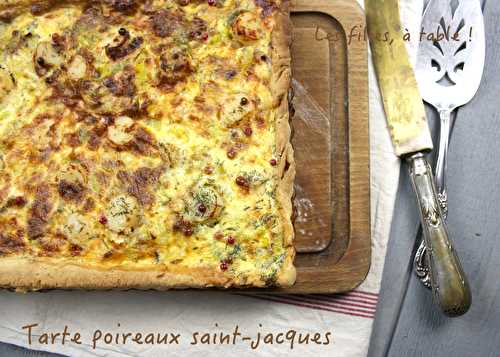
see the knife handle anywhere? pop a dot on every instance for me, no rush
(448, 282)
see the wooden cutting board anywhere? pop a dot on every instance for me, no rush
(331, 142)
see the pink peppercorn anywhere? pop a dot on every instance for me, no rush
(248, 131)
(103, 220)
(202, 208)
(231, 153)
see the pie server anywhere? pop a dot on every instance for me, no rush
(449, 73)
(411, 138)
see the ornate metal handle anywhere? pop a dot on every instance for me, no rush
(420, 262)
(448, 282)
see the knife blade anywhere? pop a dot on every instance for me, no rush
(411, 139)
(402, 102)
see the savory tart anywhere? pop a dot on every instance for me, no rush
(145, 144)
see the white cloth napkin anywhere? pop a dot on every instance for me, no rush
(348, 318)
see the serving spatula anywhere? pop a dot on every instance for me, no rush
(411, 138)
(448, 72)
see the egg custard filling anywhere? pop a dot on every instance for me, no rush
(145, 144)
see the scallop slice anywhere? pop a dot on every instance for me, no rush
(118, 134)
(205, 203)
(77, 67)
(236, 108)
(77, 228)
(123, 214)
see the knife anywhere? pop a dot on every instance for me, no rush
(411, 139)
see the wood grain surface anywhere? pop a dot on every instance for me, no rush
(335, 75)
